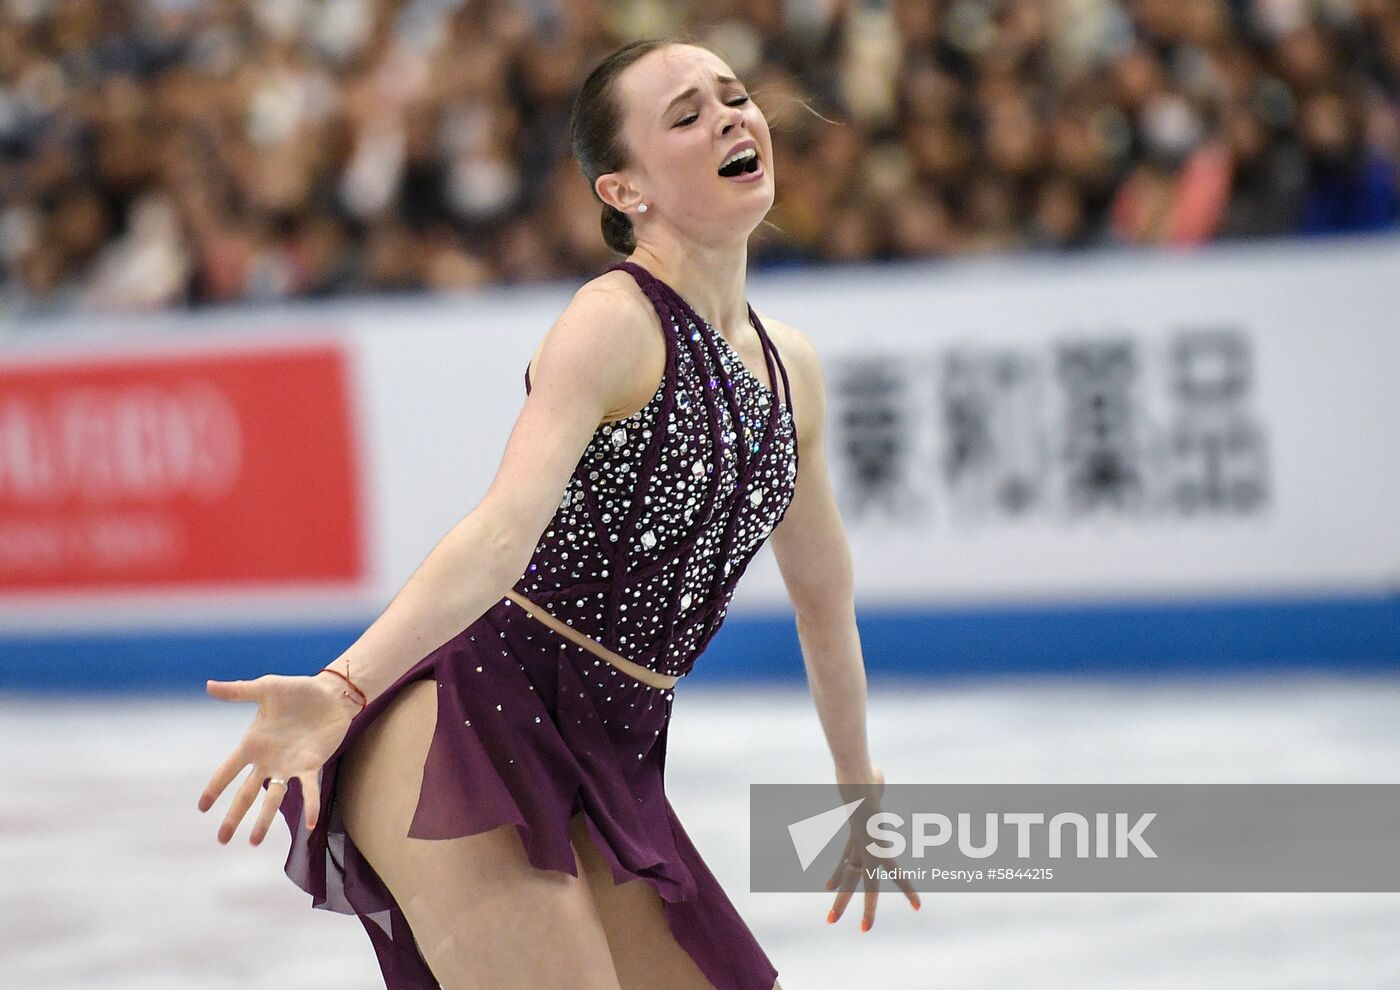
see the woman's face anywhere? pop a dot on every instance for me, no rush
(678, 141)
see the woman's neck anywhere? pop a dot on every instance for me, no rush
(712, 283)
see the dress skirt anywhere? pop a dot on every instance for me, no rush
(531, 729)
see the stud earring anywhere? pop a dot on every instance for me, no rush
(642, 208)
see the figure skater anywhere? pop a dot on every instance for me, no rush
(479, 777)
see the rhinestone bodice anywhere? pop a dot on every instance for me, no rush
(667, 507)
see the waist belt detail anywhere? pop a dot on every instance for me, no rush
(644, 674)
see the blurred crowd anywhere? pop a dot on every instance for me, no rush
(159, 153)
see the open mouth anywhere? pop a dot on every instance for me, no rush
(745, 164)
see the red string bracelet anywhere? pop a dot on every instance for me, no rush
(362, 699)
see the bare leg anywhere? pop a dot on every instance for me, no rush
(645, 953)
(483, 917)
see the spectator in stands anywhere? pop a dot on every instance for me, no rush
(1351, 185)
(183, 152)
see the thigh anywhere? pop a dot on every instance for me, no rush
(644, 952)
(482, 916)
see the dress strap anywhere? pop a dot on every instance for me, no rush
(771, 348)
(650, 461)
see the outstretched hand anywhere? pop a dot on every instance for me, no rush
(300, 723)
(857, 862)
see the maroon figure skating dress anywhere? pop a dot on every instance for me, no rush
(661, 516)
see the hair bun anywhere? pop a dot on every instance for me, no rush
(617, 230)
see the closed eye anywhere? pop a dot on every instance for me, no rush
(690, 117)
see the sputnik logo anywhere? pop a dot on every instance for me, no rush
(810, 835)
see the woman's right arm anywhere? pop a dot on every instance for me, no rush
(588, 365)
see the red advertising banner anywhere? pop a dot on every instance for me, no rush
(181, 469)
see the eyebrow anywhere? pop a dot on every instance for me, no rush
(693, 90)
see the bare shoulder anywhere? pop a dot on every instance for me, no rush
(611, 328)
(796, 348)
(800, 358)
(618, 293)
(605, 317)
(612, 305)
(805, 374)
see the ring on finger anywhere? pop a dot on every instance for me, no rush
(277, 780)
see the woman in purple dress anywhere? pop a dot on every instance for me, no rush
(480, 777)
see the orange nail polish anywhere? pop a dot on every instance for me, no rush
(865, 924)
(917, 905)
(831, 917)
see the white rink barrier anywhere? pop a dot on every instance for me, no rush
(1119, 461)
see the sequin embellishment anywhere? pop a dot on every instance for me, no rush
(665, 510)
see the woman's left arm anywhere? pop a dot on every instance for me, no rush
(815, 562)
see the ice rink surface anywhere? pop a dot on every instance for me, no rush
(113, 879)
